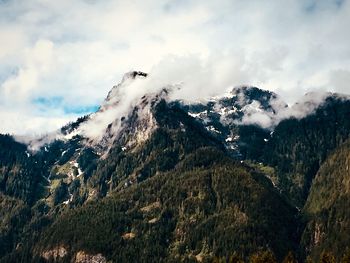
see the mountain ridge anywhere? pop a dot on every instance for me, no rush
(168, 171)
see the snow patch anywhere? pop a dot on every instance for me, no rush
(75, 164)
(70, 199)
(71, 135)
(194, 115)
(229, 139)
(212, 129)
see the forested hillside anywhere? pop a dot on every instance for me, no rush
(169, 216)
(327, 207)
(298, 147)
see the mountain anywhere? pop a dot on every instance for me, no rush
(147, 178)
(326, 208)
(230, 116)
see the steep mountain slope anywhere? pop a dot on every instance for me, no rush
(149, 178)
(176, 136)
(295, 141)
(327, 206)
(21, 174)
(189, 212)
(298, 147)
(233, 117)
(13, 213)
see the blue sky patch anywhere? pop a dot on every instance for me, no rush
(80, 109)
(57, 102)
(49, 102)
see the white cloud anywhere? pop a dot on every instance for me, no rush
(339, 81)
(25, 124)
(306, 105)
(78, 50)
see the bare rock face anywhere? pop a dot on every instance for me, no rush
(83, 257)
(55, 254)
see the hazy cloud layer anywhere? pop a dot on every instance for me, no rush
(255, 114)
(77, 50)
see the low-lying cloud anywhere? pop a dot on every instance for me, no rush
(306, 105)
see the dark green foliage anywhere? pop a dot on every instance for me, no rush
(298, 147)
(70, 127)
(88, 161)
(252, 141)
(13, 214)
(327, 207)
(21, 175)
(60, 193)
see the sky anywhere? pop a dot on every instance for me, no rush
(59, 59)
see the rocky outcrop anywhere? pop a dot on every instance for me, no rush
(83, 257)
(55, 253)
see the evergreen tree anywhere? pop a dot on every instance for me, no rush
(290, 258)
(263, 257)
(327, 257)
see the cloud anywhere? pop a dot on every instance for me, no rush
(255, 114)
(35, 125)
(200, 78)
(339, 80)
(79, 50)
